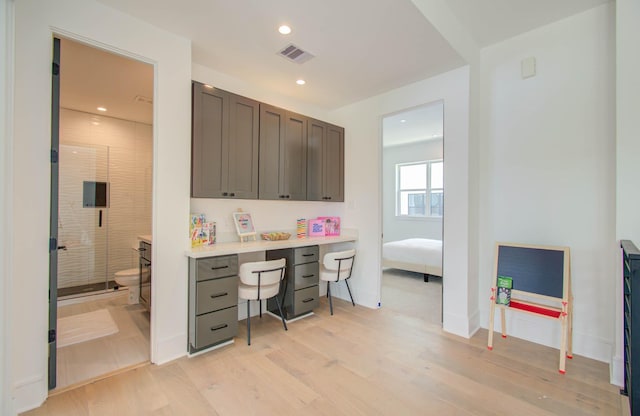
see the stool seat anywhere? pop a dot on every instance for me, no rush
(337, 266)
(261, 280)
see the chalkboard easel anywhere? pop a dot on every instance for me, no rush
(541, 285)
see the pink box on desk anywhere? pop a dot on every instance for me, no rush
(316, 228)
(331, 225)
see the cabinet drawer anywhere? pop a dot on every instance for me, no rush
(305, 275)
(215, 327)
(215, 294)
(305, 254)
(214, 267)
(305, 300)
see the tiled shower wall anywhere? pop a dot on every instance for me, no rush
(99, 148)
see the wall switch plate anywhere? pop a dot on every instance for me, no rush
(528, 67)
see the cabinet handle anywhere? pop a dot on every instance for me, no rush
(308, 275)
(307, 255)
(307, 300)
(219, 295)
(221, 326)
(281, 196)
(219, 267)
(288, 196)
(232, 194)
(225, 194)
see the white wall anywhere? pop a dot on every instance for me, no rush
(6, 225)
(363, 123)
(94, 23)
(397, 228)
(628, 146)
(547, 166)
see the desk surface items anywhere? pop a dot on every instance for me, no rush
(534, 280)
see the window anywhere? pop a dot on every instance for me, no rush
(420, 189)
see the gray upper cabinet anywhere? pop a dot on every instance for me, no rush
(225, 142)
(283, 154)
(325, 162)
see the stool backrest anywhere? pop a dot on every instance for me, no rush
(263, 273)
(339, 260)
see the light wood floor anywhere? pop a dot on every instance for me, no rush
(358, 362)
(129, 346)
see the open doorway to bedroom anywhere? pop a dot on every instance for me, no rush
(412, 212)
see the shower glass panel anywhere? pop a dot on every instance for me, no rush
(83, 220)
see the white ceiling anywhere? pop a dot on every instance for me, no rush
(362, 47)
(417, 124)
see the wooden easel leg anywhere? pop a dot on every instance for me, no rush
(492, 314)
(570, 329)
(563, 346)
(503, 322)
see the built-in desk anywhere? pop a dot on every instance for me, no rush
(222, 249)
(213, 286)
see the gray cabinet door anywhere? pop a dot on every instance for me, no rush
(283, 149)
(325, 162)
(271, 135)
(210, 128)
(244, 123)
(224, 152)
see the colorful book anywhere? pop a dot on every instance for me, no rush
(504, 285)
(316, 228)
(331, 225)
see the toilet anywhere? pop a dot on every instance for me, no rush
(130, 278)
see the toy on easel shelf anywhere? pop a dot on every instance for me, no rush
(201, 232)
(301, 228)
(504, 285)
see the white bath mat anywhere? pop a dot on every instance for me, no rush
(84, 327)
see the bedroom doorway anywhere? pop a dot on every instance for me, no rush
(412, 212)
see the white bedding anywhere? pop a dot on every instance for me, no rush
(415, 254)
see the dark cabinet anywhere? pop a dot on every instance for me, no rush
(283, 154)
(631, 330)
(325, 162)
(213, 301)
(299, 293)
(225, 142)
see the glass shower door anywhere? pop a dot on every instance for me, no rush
(83, 201)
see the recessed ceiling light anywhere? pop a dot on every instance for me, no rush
(301, 82)
(403, 121)
(101, 109)
(208, 86)
(284, 29)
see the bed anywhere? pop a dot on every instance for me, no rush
(419, 255)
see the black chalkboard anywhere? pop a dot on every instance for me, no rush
(533, 270)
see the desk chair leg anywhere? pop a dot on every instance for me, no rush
(329, 296)
(248, 322)
(284, 323)
(349, 289)
(260, 308)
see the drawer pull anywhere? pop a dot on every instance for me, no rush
(221, 326)
(306, 276)
(308, 300)
(219, 295)
(307, 255)
(219, 267)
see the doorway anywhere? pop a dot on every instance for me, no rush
(101, 207)
(412, 212)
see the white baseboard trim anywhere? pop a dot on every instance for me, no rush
(616, 371)
(29, 393)
(169, 349)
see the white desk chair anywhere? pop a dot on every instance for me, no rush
(336, 267)
(261, 280)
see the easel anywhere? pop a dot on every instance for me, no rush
(541, 287)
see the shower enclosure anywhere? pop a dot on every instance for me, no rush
(83, 220)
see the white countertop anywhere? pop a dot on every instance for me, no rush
(222, 249)
(145, 238)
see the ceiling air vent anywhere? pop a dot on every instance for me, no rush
(142, 99)
(295, 54)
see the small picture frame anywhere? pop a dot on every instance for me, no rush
(244, 225)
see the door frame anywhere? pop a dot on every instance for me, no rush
(53, 209)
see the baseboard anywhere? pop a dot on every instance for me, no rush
(29, 393)
(616, 370)
(169, 349)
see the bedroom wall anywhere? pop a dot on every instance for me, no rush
(396, 228)
(547, 167)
